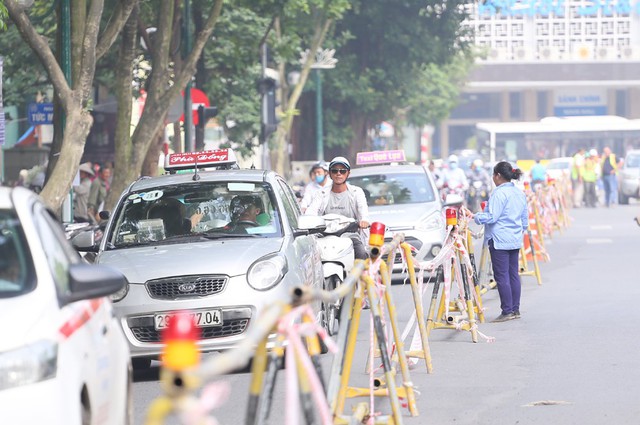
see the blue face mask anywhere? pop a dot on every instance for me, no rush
(320, 179)
(453, 165)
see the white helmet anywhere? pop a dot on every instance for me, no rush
(453, 158)
(478, 163)
(593, 152)
(340, 160)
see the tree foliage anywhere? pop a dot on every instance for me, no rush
(392, 54)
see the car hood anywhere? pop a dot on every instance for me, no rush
(401, 216)
(631, 172)
(230, 257)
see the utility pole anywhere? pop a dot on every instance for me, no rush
(65, 62)
(188, 108)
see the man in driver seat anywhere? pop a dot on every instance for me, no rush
(244, 211)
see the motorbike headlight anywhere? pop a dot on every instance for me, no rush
(267, 272)
(29, 364)
(118, 296)
(433, 221)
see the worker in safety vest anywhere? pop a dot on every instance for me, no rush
(577, 168)
(589, 177)
(609, 176)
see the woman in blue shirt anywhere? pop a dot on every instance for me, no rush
(505, 219)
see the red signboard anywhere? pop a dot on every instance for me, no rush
(198, 97)
(201, 159)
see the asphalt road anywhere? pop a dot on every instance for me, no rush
(571, 359)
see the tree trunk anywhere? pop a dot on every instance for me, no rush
(150, 164)
(124, 94)
(358, 143)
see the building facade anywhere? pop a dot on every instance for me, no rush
(547, 58)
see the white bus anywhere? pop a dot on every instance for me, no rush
(553, 137)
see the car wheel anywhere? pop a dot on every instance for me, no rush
(141, 363)
(85, 408)
(622, 199)
(331, 311)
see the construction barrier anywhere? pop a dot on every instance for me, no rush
(286, 333)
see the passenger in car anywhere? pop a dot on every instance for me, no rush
(245, 210)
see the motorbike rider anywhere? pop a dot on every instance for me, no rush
(320, 180)
(454, 177)
(344, 199)
(479, 184)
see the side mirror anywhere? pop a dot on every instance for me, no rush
(104, 215)
(87, 281)
(453, 200)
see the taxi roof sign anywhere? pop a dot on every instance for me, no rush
(380, 157)
(203, 159)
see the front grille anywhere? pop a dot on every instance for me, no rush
(185, 287)
(230, 328)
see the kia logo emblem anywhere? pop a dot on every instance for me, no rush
(187, 287)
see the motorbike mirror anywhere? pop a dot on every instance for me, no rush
(453, 200)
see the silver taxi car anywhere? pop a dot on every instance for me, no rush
(220, 243)
(404, 197)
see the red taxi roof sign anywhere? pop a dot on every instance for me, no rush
(204, 159)
(379, 157)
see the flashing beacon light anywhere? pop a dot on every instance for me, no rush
(180, 338)
(376, 234)
(483, 205)
(452, 217)
(527, 186)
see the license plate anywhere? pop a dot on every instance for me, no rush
(202, 319)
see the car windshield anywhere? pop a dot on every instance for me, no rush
(395, 188)
(632, 161)
(197, 211)
(16, 265)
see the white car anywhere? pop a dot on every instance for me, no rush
(405, 198)
(63, 357)
(559, 168)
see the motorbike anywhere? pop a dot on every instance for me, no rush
(449, 190)
(478, 192)
(337, 256)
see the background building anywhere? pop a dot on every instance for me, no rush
(547, 58)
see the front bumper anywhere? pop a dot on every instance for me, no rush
(238, 303)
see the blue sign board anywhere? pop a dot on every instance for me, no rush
(40, 113)
(579, 111)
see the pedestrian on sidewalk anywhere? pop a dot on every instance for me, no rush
(590, 177)
(577, 184)
(609, 177)
(505, 219)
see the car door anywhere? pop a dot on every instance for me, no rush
(91, 354)
(305, 247)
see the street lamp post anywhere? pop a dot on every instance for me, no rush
(324, 60)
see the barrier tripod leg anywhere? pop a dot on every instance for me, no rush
(342, 340)
(536, 268)
(337, 406)
(434, 299)
(536, 214)
(397, 336)
(483, 271)
(304, 386)
(386, 361)
(417, 300)
(469, 300)
(258, 367)
(474, 275)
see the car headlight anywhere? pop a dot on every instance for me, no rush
(29, 364)
(433, 221)
(267, 272)
(118, 296)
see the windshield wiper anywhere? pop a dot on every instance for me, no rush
(222, 235)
